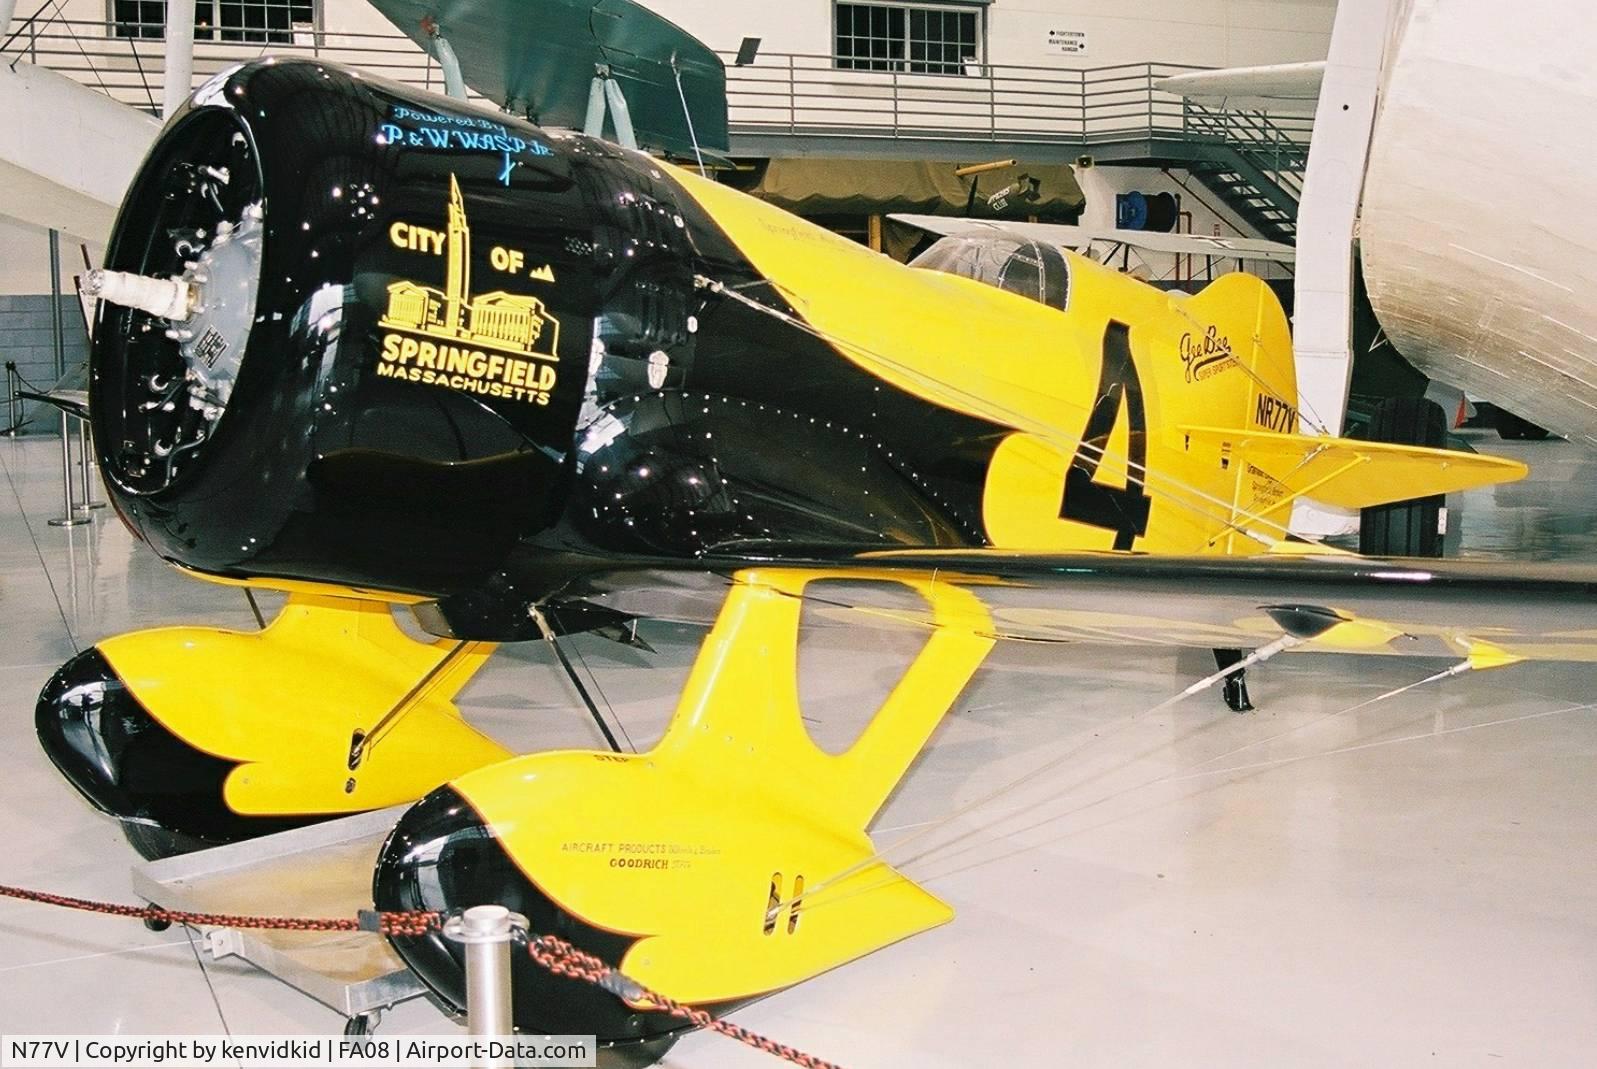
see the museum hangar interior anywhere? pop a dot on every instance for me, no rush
(999, 532)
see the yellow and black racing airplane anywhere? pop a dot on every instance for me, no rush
(379, 349)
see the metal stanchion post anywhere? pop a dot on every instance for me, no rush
(486, 932)
(11, 399)
(66, 519)
(87, 504)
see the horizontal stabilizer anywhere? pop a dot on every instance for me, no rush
(1350, 473)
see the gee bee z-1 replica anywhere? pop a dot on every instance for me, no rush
(385, 351)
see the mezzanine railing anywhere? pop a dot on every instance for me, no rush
(781, 94)
(807, 95)
(128, 66)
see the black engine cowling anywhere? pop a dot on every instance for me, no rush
(381, 376)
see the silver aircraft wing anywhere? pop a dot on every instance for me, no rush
(1080, 237)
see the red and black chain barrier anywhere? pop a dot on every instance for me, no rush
(563, 959)
(549, 951)
(418, 922)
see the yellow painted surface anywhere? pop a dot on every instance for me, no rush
(684, 845)
(1371, 473)
(1483, 654)
(285, 702)
(1222, 358)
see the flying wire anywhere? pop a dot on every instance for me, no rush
(1193, 771)
(1149, 477)
(687, 115)
(1188, 771)
(576, 681)
(1258, 656)
(593, 677)
(1022, 421)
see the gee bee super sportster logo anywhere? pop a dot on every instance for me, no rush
(495, 344)
(1206, 356)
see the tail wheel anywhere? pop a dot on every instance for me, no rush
(1405, 528)
(1512, 427)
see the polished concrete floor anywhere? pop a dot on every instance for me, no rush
(1413, 883)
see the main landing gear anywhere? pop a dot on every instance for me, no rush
(1236, 684)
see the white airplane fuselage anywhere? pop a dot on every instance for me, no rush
(1479, 245)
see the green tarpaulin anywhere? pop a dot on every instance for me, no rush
(538, 57)
(812, 186)
(831, 188)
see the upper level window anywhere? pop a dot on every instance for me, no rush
(918, 38)
(253, 21)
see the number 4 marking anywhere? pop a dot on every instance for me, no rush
(1123, 511)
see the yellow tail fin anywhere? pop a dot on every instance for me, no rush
(1247, 425)
(1247, 328)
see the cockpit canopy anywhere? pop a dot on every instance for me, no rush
(1019, 265)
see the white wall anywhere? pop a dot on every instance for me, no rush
(338, 16)
(1215, 33)
(1200, 32)
(25, 262)
(1212, 33)
(803, 26)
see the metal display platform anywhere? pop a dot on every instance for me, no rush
(321, 871)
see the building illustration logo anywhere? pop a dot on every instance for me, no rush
(497, 345)
(511, 323)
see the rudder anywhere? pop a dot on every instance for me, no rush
(1243, 325)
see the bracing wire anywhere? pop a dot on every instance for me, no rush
(1258, 656)
(1195, 770)
(687, 115)
(1188, 771)
(593, 677)
(1169, 487)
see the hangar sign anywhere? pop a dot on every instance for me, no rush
(1067, 42)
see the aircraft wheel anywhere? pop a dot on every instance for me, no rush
(1512, 427)
(362, 1024)
(153, 842)
(1405, 528)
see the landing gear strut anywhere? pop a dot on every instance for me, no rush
(1236, 684)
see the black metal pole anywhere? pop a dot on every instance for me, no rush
(68, 518)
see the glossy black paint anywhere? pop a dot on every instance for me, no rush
(127, 764)
(320, 468)
(683, 424)
(443, 856)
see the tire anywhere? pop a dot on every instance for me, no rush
(1513, 428)
(154, 842)
(1405, 528)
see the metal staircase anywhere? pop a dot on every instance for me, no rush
(1252, 164)
(793, 104)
